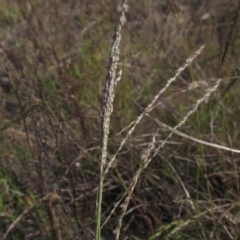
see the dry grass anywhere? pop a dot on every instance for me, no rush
(169, 166)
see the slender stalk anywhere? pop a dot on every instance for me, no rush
(107, 107)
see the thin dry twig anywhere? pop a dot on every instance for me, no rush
(214, 145)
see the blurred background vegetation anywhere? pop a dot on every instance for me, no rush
(53, 62)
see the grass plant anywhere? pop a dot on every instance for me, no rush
(119, 120)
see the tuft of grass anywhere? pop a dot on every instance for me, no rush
(168, 165)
